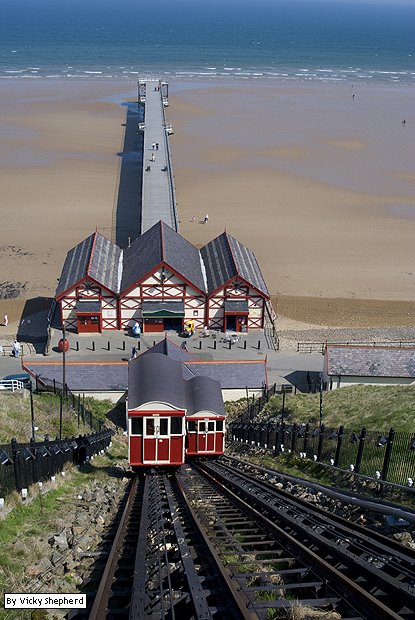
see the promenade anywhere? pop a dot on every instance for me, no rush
(158, 194)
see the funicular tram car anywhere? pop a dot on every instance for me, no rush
(166, 411)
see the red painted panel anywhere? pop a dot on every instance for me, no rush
(210, 445)
(219, 442)
(201, 442)
(191, 445)
(149, 449)
(163, 449)
(176, 450)
(135, 450)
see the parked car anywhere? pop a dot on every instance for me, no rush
(24, 377)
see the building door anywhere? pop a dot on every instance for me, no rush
(89, 323)
(153, 325)
(156, 439)
(206, 436)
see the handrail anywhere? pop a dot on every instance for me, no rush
(11, 384)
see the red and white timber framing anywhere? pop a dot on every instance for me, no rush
(236, 290)
(164, 284)
(88, 289)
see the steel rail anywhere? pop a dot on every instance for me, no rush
(197, 593)
(99, 607)
(367, 601)
(241, 601)
(139, 582)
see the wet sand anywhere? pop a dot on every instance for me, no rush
(318, 184)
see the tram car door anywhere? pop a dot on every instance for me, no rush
(206, 436)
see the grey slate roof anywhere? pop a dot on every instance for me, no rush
(84, 377)
(88, 306)
(225, 258)
(114, 377)
(155, 378)
(161, 244)
(233, 374)
(205, 395)
(95, 256)
(158, 378)
(371, 362)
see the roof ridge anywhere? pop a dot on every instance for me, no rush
(162, 240)
(92, 252)
(227, 235)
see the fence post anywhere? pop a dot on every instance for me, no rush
(320, 443)
(360, 450)
(37, 383)
(388, 454)
(306, 432)
(16, 465)
(54, 386)
(339, 446)
(294, 430)
(79, 409)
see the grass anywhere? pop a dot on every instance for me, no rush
(26, 528)
(375, 407)
(15, 416)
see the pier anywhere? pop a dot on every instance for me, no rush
(158, 200)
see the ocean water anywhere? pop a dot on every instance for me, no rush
(308, 40)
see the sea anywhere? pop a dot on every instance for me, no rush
(279, 40)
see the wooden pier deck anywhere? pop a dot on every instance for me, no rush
(158, 192)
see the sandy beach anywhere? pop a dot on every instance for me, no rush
(318, 183)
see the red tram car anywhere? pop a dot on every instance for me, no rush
(168, 416)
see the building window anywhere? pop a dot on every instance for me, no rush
(195, 312)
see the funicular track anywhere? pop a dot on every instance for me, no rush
(160, 565)
(212, 542)
(350, 564)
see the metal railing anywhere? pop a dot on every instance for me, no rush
(11, 385)
(383, 457)
(320, 347)
(24, 464)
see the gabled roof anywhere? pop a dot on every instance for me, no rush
(161, 244)
(156, 378)
(96, 257)
(205, 395)
(226, 258)
(370, 361)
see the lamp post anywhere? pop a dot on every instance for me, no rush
(63, 380)
(321, 399)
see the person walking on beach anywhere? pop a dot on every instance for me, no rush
(153, 157)
(5, 320)
(206, 219)
(157, 146)
(153, 146)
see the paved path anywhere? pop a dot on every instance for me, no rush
(158, 196)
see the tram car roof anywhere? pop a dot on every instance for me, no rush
(157, 378)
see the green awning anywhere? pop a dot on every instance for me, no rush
(162, 309)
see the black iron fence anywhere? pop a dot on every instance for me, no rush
(77, 403)
(257, 402)
(23, 464)
(388, 458)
